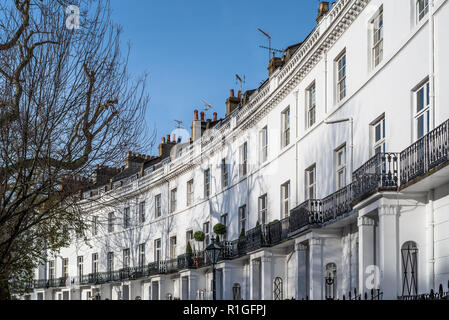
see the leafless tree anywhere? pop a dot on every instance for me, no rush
(67, 104)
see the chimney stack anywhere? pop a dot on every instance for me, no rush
(232, 103)
(196, 115)
(215, 116)
(323, 10)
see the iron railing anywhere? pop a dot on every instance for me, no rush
(432, 295)
(379, 172)
(425, 154)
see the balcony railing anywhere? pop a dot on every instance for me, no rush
(337, 204)
(378, 173)
(305, 215)
(425, 154)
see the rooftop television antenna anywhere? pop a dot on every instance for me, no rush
(207, 105)
(271, 51)
(241, 80)
(179, 124)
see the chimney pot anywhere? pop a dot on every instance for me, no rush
(168, 138)
(215, 116)
(163, 139)
(174, 138)
(323, 10)
(196, 115)
(240, 95)
(202, 116)
(232, 92)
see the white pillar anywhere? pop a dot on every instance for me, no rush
(227, 283)
(366, 252)
(301, 272)
(193, 286)
(254, 278)
(267, 279)
(316, 269)
(389, 251)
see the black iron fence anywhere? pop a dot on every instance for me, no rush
(432, 295)
(425, 154)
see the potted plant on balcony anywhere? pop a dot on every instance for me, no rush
(219, 230)
(199, 236)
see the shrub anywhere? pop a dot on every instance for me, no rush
(220, 229)
(242, 233)
(199, 236)
(189, 248)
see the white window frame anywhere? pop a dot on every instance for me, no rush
(285, 127)
(206, 230)
(111, 221)
(423, 12)
(377, 49)
(311, 171)
(80, 263)
(224, 221)
(285, 199)
(243, 159)
(142, 254)
(126, 217)
(207, 183)
(158, 206)
(65, 267)
(126, 258)
(425, 112)
(94, 226)
(263, 204)
(379, 145)
(263, 145)
(190, 194)
(311, 105)
(224, 173)
(52, 269)
(173, 199)
(95, 263)
(243, 219)
(142, 212)
(173, 244)
(157, 250)
(110, 262)
(341, 69)
(340, 167)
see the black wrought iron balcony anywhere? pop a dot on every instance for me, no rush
(305, 215)
(277, 231)
(254, 239)
(426, 154)
(41, 284)
(337, 204)
(377, 174)
(57, 282)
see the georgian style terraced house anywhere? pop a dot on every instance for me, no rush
(331, 178)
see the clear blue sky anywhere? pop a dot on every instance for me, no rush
(193, 49)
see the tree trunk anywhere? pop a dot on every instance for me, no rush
(4, 289)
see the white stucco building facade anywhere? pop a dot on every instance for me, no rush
(335, 168)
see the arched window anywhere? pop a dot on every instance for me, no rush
(330, 281)
(278, 289)
(409, 254)
(236, 292)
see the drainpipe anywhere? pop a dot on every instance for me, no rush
(432, 59)
(297, 149)
(431, 238)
